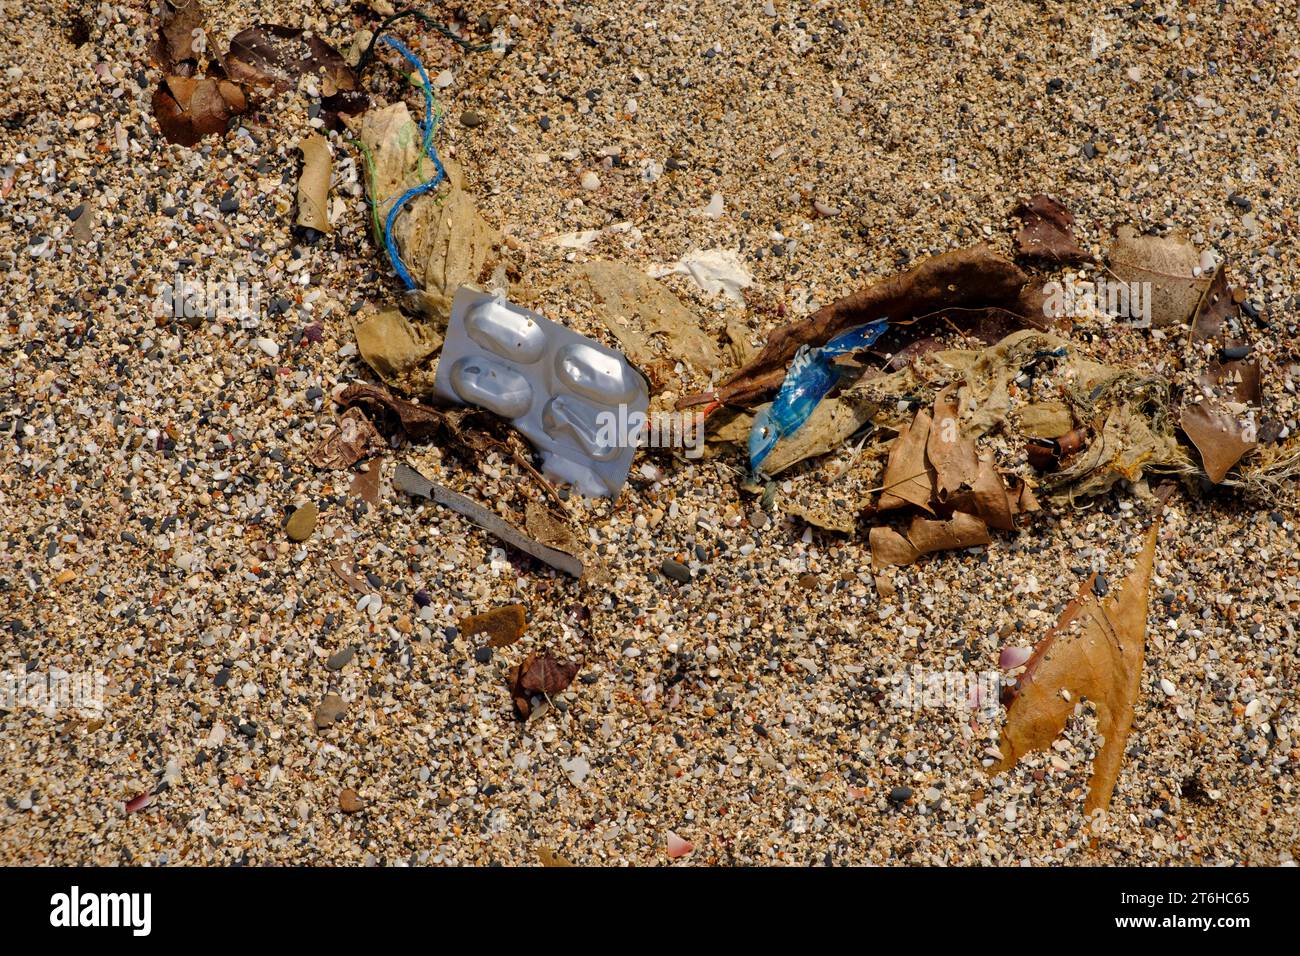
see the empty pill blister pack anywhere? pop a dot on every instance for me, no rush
(567, 394)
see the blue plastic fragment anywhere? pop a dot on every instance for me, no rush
(811, 376)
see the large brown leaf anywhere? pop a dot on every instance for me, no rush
(1101, 661)
(1170, 264)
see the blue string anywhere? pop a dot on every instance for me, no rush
(427, 146)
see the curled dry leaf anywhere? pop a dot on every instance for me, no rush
(351, 440)
(990, 500)
(1101, 662)
(539, 674)
(959, 531)
(1219, 420)
(909, 478)
(889, 547)
(1047, 232)
(314, 183)
(951, 454)
(187, 109)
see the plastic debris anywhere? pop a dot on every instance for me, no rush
(580, 404)
(713, 270)
(968, 280)
(812, 375)
(411, 482)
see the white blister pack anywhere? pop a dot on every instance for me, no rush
(567, 394)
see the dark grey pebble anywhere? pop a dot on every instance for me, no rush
(900, 795)
(340, 659)
(675, 570)
(483, 655)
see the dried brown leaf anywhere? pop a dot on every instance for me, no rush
(1102, 663)
(539, 674)
(1048, 231)
(188, 109)
(275, 57)
(417, 421)
(1213, 424)
(314, 183)
(351, 440)
(908, 477)
(952, 455)
(1169, 263)
(174, 47)
(959, 531)
(1220, 437)
(365, 484)
(925, 536)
